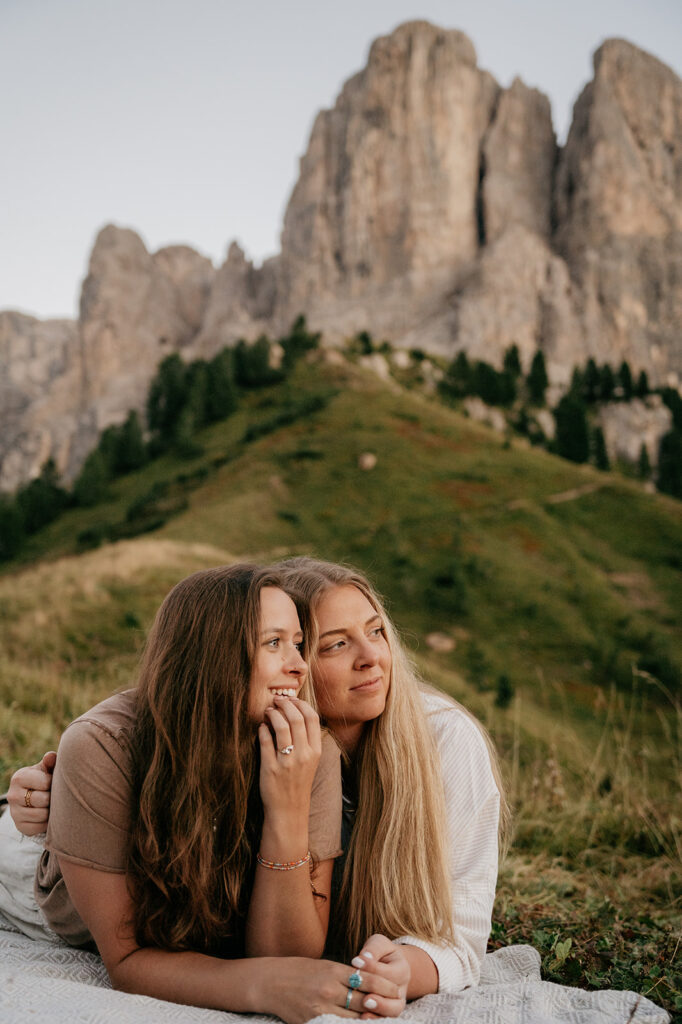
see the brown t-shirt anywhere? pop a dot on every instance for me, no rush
(90, 808)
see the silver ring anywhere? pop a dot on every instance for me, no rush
(348, 998)
(287, 750)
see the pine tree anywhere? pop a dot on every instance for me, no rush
(252, 364)
(643, 463)
(221, 391)
(197, 390)
(130, 451)
(607, 383)
(642, 389)
(456, 382)
(572, 435)
(625, 380)
(599, 452)
(672, 399)
(512, 362)
(91, 485)
(485, 382)
(42, 500)
(11, 528)
(299, 341)
(167, 396)
(537, 380)
(577, 387)
(670, 464)
(591, 382)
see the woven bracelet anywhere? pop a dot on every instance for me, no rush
(289, 865)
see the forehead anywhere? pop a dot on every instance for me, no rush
(277, 608)
(341, 607)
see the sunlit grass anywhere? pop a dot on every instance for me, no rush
(576, 602)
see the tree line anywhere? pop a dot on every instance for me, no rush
(575, 438)
(182, 399)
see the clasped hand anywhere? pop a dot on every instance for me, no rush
(290, 749)
(308, 988)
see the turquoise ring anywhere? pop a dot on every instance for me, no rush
(355, 981)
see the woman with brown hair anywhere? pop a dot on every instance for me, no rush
(194, 820)
(421, 807)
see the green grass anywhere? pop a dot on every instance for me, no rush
(575, 601)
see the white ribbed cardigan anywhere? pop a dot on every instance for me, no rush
(472, 805)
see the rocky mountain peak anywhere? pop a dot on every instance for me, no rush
(433, 208)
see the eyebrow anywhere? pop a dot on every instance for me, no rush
(279, 629)
(344, 629)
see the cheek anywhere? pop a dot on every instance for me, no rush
(328, 691)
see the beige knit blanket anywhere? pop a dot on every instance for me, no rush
(49, 981)
(43, 981)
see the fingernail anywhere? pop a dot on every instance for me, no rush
(368, 956)
(370, 1004)
(357, 961)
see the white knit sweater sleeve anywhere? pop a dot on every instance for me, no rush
(472, 805)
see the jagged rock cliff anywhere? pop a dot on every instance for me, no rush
(62, 383)
(434, 209)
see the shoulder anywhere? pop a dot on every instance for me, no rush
(104, 729)
(449, 722)
(330, 758)
(116, 714)
(464, 753)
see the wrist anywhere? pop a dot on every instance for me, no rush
(257, 993)
(284, 841)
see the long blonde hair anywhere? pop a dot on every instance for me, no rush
(396, 879)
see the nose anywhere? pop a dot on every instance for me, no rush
(367, 654)
(295, 665)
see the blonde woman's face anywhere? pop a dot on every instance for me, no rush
(353, 669)
(278, 667)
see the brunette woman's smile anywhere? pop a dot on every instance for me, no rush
(353, 671)
(278, 667)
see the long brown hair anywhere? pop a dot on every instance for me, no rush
(400, 798)
(196, 812)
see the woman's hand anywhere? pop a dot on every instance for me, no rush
(30, 813)
(382, 959)
(299, 989)
(286, 779)
(285, 918)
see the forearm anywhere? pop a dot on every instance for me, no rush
(241, 986)
(284, 918)
(423, 972)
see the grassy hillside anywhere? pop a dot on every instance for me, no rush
(556, 585)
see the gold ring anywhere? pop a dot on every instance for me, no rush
(27, 798)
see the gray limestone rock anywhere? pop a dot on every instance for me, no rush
(619, 210)
(241, 303)
(385, 204)
(629, 425)
(519, 156)
(64, 382)
(40, 395)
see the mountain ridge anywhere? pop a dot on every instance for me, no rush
(433, 208)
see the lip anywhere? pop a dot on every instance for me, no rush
(369, 687)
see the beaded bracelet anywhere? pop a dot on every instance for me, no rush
(276, 865)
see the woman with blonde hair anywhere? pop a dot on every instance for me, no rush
(423, 803)
(412, 897)
(194, 820)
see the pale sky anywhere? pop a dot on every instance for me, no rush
(186, 120)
